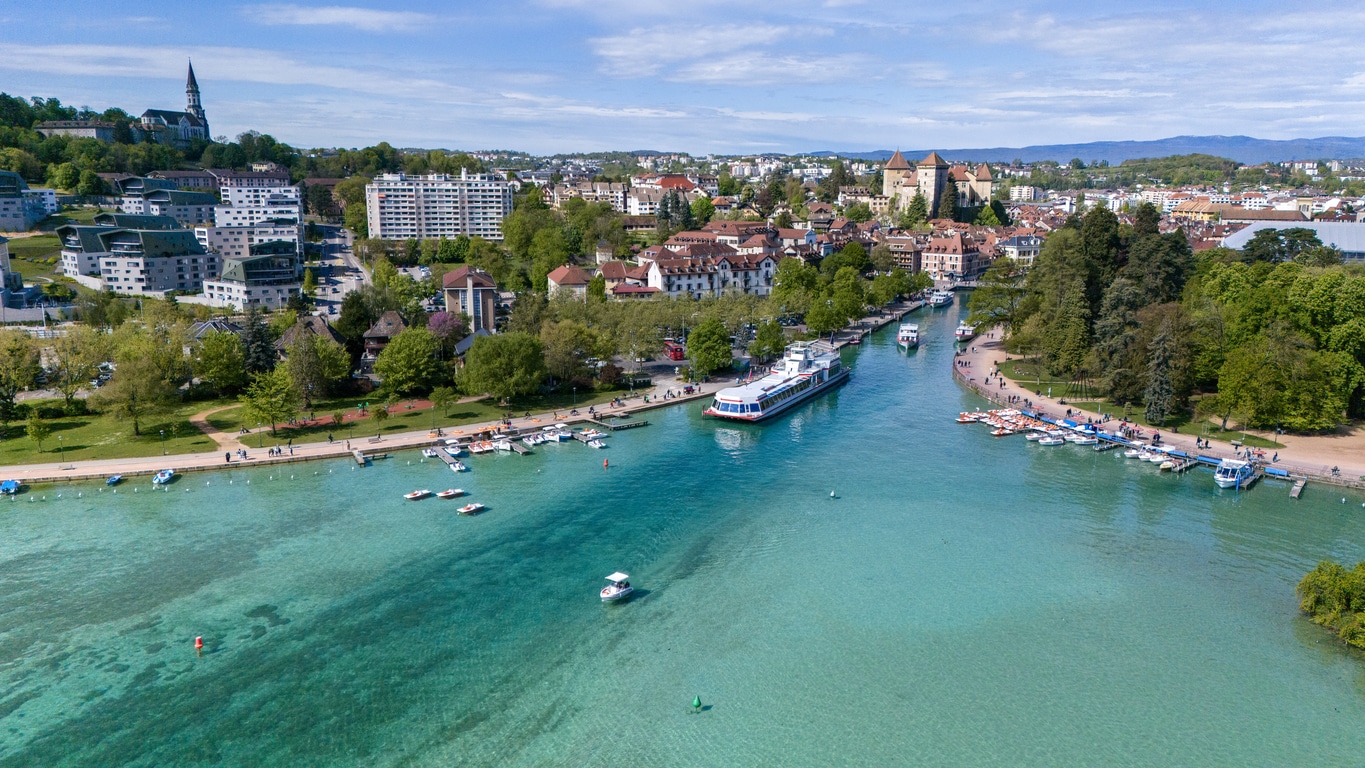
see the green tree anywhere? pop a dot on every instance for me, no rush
(443, 397)
(18, 368)
(597, 287)
(408, 363)
(708, 347)
(858, 213)
(270, 398)
(822, 318)
(76, 356)
(505, 365)
(999, 295)
(221, 362)
(702, 210)
(567, 344)
(258, 342)
(987, 217)
(916, 212)
(883, 260)
(143, 382)
(769, 340)
(310, 283)
(38, 430)
(379, 414)
(316, 365)
(947, 203)
(1158, 395)
(1146, 221)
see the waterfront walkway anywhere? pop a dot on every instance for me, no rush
(85, 470)
(1308, 456)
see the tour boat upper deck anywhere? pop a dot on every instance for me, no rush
(807, 367)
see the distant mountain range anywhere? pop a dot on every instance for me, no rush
(1243, 149)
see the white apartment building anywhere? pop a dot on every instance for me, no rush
(437, 205)
(252, 206)
(188, 208)
(140, 262)
(1024, 194)
(691, 277)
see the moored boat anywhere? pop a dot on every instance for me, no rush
(114, 480)
(415, 495)
(618, 587)
(596, 443)
(471, 509)
(807, 368)
(458, 466)
(163, 477)
(1050, 440)
(430, 453)
(1086, 440)
(1233, 473)
(965, 331)
(1131, 453)
(450, 493)
(1001, 432)
(9, 488)
(1034, 436)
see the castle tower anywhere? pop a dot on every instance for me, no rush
(893, 173)
(932, 176)
(192, 104)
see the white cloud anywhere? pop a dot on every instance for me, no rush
(366, 19)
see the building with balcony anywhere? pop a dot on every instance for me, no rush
(268, 277)
(473, 293)
(437, 205)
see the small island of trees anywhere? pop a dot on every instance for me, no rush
(1334, 597)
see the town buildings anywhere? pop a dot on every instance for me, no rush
(20, 207)
(437, 205)
(77, 129)
(932, 178)
(267, 277)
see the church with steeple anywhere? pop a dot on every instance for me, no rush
(177, 128)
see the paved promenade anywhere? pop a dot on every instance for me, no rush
(84, 470)
(1310, 456)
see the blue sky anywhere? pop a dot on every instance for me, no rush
(705, 76)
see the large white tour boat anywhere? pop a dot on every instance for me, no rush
(807, 368)
(908, 335)
(940, 298)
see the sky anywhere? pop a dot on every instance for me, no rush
(705, 76)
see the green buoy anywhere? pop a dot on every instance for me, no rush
(696, 703)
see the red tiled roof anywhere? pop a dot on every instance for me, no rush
(456, 278)
(896, 163)
(568, 275)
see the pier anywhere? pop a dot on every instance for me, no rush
(615, 426)
(1298, 488)
(359, 457)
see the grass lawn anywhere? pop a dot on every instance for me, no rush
(29, 256)
(1031, 375)
(78, 216)
(98, 436)
(401, 419)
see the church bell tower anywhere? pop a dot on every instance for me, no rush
(192, 104)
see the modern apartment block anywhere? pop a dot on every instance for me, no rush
(250, 206)
(236, 242)
(437, 205)
(188, 208)
(268, 276)
(21, 207)
(141, 262)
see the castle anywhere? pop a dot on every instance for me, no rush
(931, 178)
(178, 128)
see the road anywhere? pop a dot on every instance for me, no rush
(340, 273)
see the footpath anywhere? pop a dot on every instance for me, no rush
(1309, 456)
(659, 397)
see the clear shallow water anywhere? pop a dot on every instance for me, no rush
(965, 600)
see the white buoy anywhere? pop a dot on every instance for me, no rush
(831, 494)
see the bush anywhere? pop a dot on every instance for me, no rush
(609, 374)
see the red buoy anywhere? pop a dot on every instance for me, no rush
(199, 646)
(604, 463)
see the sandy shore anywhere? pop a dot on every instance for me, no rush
(1310, 455)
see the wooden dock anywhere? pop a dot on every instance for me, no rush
(1106, 445)
(618, 426)
(1298, 488)
(520, 448)
(359, 457)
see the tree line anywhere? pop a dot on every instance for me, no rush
(1270, 335)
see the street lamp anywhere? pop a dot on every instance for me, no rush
(260, 437)
(575, 396)
(163, 441)
(61, 455)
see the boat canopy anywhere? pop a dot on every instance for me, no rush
(618, 577)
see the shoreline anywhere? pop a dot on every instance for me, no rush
(53, 473)
(984, 353)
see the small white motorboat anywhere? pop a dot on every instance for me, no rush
(450, 493)
(471, 509)
(1131, 453)
(1001, 432)
(618, 587)
(430, 453)
(596, 444)
(1233, 473)
(1086, 440)
(163, 477)
(458, 466)
(1158, 457)
(1167, 465)
(1034, 436)
(591, 434)
(502, 444)
(1050, 440)
(415, 495)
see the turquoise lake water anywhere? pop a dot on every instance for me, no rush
(964, 601)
